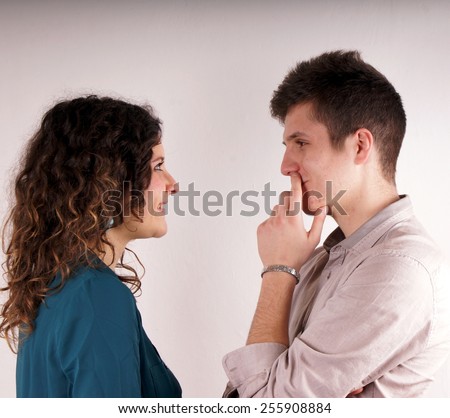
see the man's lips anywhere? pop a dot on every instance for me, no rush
(302, 180)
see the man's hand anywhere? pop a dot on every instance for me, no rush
(355, 392)
(283, 239)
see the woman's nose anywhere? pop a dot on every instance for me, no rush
(172, 185)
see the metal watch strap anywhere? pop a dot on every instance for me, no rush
(282, 268)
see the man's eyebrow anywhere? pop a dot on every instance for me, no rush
(295, 135)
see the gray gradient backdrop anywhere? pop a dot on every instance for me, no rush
(209, 68)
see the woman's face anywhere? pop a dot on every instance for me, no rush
(162, 184)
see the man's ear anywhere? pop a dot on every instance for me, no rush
(363, 143)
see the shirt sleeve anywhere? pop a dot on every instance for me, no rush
(99, 340)
(378, 318)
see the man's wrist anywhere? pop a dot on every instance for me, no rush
(281, 268)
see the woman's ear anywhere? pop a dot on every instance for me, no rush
(363, 145)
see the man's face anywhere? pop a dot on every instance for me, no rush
(309, 153)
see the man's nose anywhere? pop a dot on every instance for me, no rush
(289, 164)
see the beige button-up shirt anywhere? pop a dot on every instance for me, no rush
(380, 318)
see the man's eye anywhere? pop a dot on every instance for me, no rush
(300, 143)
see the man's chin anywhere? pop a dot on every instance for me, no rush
(307, 211)
(312, 207)
(312, 212)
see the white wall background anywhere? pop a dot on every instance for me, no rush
(209, 68)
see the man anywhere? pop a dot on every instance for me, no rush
(370, 315)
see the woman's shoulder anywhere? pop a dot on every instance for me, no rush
(100, 278)
(95, 290)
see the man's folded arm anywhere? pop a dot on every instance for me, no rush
(378, 318)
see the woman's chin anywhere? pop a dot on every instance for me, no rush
(159, 234)
(158, 230)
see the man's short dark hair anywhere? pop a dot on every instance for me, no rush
(347, 94)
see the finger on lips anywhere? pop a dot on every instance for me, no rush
(295, 200)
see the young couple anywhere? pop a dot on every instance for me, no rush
(365, 315)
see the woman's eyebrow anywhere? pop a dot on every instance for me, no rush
(157, 159)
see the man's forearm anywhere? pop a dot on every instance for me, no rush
(270, 323)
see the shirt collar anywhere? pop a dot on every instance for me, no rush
(372, 230)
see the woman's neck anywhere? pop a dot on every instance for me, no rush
(118, 242)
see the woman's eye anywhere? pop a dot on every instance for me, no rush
(158, 167)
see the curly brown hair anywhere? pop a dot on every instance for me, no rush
(83, 152)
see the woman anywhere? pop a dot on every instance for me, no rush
(92, 179)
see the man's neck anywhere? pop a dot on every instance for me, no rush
(360, 208)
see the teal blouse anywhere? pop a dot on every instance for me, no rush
(89, 342)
